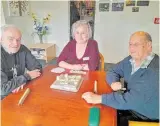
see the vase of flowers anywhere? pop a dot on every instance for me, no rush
(40, 26)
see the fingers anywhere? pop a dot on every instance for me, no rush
(16, 90)
(36, 70)
(77, 67)
(37, 74)
(83, 65)
(34, 74)
(87, 96)
(22, 87)
(92, 98)
(84, 95)
(19, 88)
(116, 86)
(123, 89)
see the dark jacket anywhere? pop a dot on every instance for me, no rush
(22, 59)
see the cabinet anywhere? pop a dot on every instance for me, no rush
(45, 51)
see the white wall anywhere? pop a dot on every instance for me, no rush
(2, 21)
(113, 29)
(59, 24)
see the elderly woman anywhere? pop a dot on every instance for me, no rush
(81, 53)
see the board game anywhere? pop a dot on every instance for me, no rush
(67, 82)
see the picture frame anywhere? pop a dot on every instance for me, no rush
(130, 2)
(18, 8)
(142, 3)
(103, 7)
(118, 6)
(135, 9)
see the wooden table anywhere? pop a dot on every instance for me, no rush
(49, 107)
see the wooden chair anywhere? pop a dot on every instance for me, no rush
(137, 123)
(101, 62)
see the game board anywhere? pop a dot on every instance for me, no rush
(68, 82)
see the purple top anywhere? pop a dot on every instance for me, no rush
(90, 57)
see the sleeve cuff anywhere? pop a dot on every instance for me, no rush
(104, 99)
(27, 76)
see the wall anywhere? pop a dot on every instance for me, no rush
(2, 21)
(59, 11)
(113, 29)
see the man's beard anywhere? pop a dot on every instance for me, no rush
(10, 51)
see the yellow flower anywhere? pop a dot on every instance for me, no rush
(47, 19)
(44, 20)
(49, 15)
(33, 16)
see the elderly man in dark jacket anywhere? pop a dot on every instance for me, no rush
(15, 58)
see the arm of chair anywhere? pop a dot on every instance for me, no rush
(137, 123)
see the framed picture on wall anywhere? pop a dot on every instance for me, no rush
(18, 8)
(142, 3)
(135, 9)
(103, 7)
(118, 6)
(130, 2)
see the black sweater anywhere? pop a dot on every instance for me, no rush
(22, 59)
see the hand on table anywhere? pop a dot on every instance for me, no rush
(92, 98)
(34, 73)
(85, 67)
(19, 88)
(77, 67)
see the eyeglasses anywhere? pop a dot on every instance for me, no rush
(11, 39)
(136, 45)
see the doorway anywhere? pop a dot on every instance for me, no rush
(82, 10)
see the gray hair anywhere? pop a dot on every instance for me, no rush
(148, 37)
(79, 23)
(6, 27)
(145, 34)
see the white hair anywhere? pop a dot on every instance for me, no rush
(6, 27)
(79, 23)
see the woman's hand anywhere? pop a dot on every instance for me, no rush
(77, 67)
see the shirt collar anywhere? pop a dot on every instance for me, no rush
(145, 62)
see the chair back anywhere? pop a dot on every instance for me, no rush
(137, 123)
(101, 62)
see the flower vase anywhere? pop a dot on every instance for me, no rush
(40, 38)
